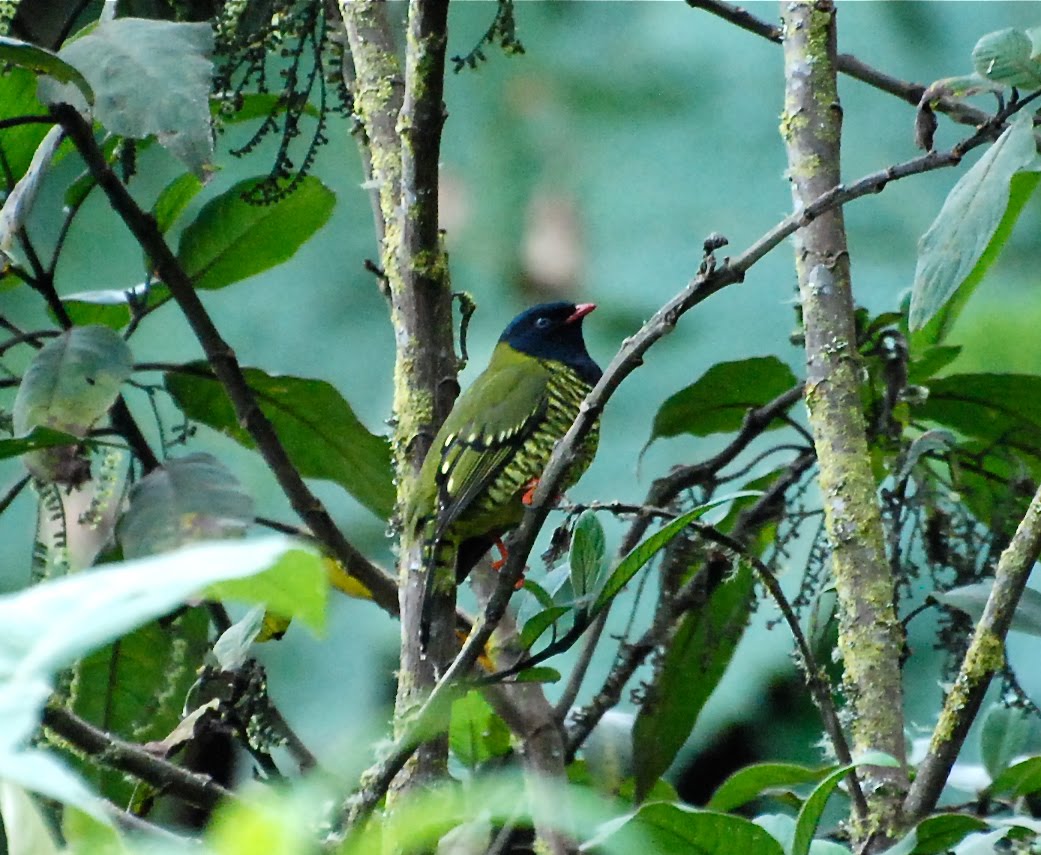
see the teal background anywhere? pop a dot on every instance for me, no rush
(627, 132)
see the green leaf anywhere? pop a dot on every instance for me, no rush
(1020, 779)
(136, 686)
(1021, 189)
(476, 733)
(539, 623)
(813, 808)
(969, 218)
(935, 358)
(1003, 736)
(25, 830)
(19, 202)
(41, 61)
(540, 674)
(232, 239)
(297, 587)
(1001, 409)
(151, 78)
(972, 599)
(173, 200)
(37, 438)
(83, 834)
(753, 781)
(18, 98)
(930, 441)
(588, 546)
(651, 546)
(112, 307)
(1009, 57)
(186, 499)
(661, 828)
(321, 434)
(719, 400)
(688, 674)
(937, 834)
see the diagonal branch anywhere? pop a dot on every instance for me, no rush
(984, 658)
(222, 359)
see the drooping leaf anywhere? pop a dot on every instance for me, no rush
(535, 626)
(26, 832)
(691, 669)
(660, 828)
(136, 688)
(930, 441)
(37, 438)
(19, 202)
(41, 61)
(753, 781)
(651, 546)
(322, 435)
(937, 834)
(233, 647)
(150, 78)
(969, 218)
(1021, 189)
(1009, 57)
(18, 98)
(231, 239)
(69, 384)
(186, 499)
(476, 733)
(173, 199)
(719, 400)
(1003, 736)
(586, 558)
(972, 599)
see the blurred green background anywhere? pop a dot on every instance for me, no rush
(592, 167)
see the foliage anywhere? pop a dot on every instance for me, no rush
(126, 662)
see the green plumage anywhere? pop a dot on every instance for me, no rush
(499, 437)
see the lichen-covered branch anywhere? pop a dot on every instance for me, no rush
(870, 635)
(985, 656)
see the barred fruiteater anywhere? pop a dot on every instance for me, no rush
(498, 438)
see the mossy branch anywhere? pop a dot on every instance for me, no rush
(985, 657)
(870, 635)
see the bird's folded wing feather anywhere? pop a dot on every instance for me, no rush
(492, 421)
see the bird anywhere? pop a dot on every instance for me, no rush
(486, 458)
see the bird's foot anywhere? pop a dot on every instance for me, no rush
(529, 493)
(500, 562)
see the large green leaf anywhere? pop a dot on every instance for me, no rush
(136, 688)
(691, 669)
(937, 834)
(1021, 189)
(756, 780)
(718, 401)
(661, 828)
(1003, 736)
(476, 733)
(321, 434)
(969, 218)
(112, 307)
(1020, 779)
(1010, 57)
(972, 600)
(186, 499)
(587, 555)
(1001, 409)
(18, 98)
(232, 239)
(41, 61)
(150, 78)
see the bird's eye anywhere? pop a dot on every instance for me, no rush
(542, 323)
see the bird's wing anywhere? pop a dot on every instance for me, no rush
(490, 422)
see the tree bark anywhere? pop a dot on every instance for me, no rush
(870, 636)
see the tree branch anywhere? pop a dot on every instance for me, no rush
(846, 63)
(984, 658)
(222, 360)
(199, 790)
(870, 634)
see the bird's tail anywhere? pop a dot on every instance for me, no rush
(438, 558)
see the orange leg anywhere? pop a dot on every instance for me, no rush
(500, 562)
(529, 491)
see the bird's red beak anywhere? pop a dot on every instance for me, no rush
(581, 310)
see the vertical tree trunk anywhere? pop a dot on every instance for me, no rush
(870, 636)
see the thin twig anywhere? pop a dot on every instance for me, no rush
(194, 788)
